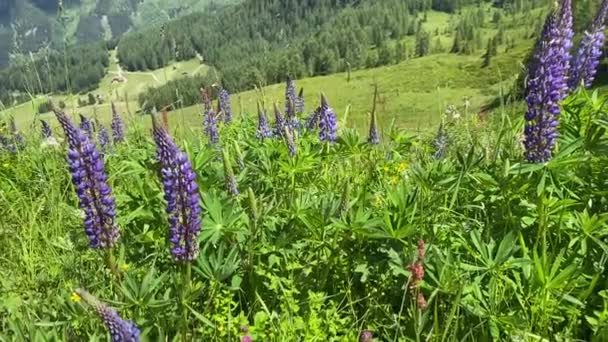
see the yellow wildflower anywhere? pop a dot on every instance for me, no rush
(386, 168)
(394, 180)
(377, 201)
(124, 267)
(75, 297)
(402, 167)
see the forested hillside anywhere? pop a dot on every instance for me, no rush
(264, 41)
(31, 25)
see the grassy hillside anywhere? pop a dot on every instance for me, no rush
(136, 82)
(414, 93)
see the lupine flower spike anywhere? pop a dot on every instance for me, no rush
(46, 130)
(312, 122)
(120, 330)
(118, 128)
(210, 124)
(545, 88)
(590, 51)
(90, 180)
(290, 141)
(290, 105)
(229, 174)
(300, 102)
(263, 131)
(373, 137)
(292, 120)
(103, 137)
(225, 105)
(328, 123)
(279, 121)
(565, 41)
(86, 125)
(290, 93)
(181, 194)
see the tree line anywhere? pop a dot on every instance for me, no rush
(79, 69)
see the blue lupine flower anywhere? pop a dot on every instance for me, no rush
(328, 123)
(118, 128)
(290, 93)
(90, 180)
(46, 130)
(300, 102)
(86, 125)
(545, 88)
(211, 129)
(290, 105)
(564, 43)
(225, 105)
(181, 194)
(373, 137)
(290, 141)
(279, 121)
(120, 330)
(103, 138)
(590, 51)
(312, 122)
(263, 131)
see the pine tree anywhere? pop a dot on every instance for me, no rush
(422, 43)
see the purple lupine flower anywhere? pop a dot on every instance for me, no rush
(373, 137)
(229, 174)
(312, 122)
(564, 43)
(544, 89)
(590, 51)
(290, 93)
(290, 141)
(246, 338)
(366, 336)
(279, 121)
(120, 330)
(300, 102)
(90, 180)
(328, 122)
(46, 130)
(181, 194)
(225, 105)
(86, 125)
(103, 138)
(263, 131)
(290, 105)
(210, 124)
(118, 128)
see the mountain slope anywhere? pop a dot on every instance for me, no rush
(29, 25)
